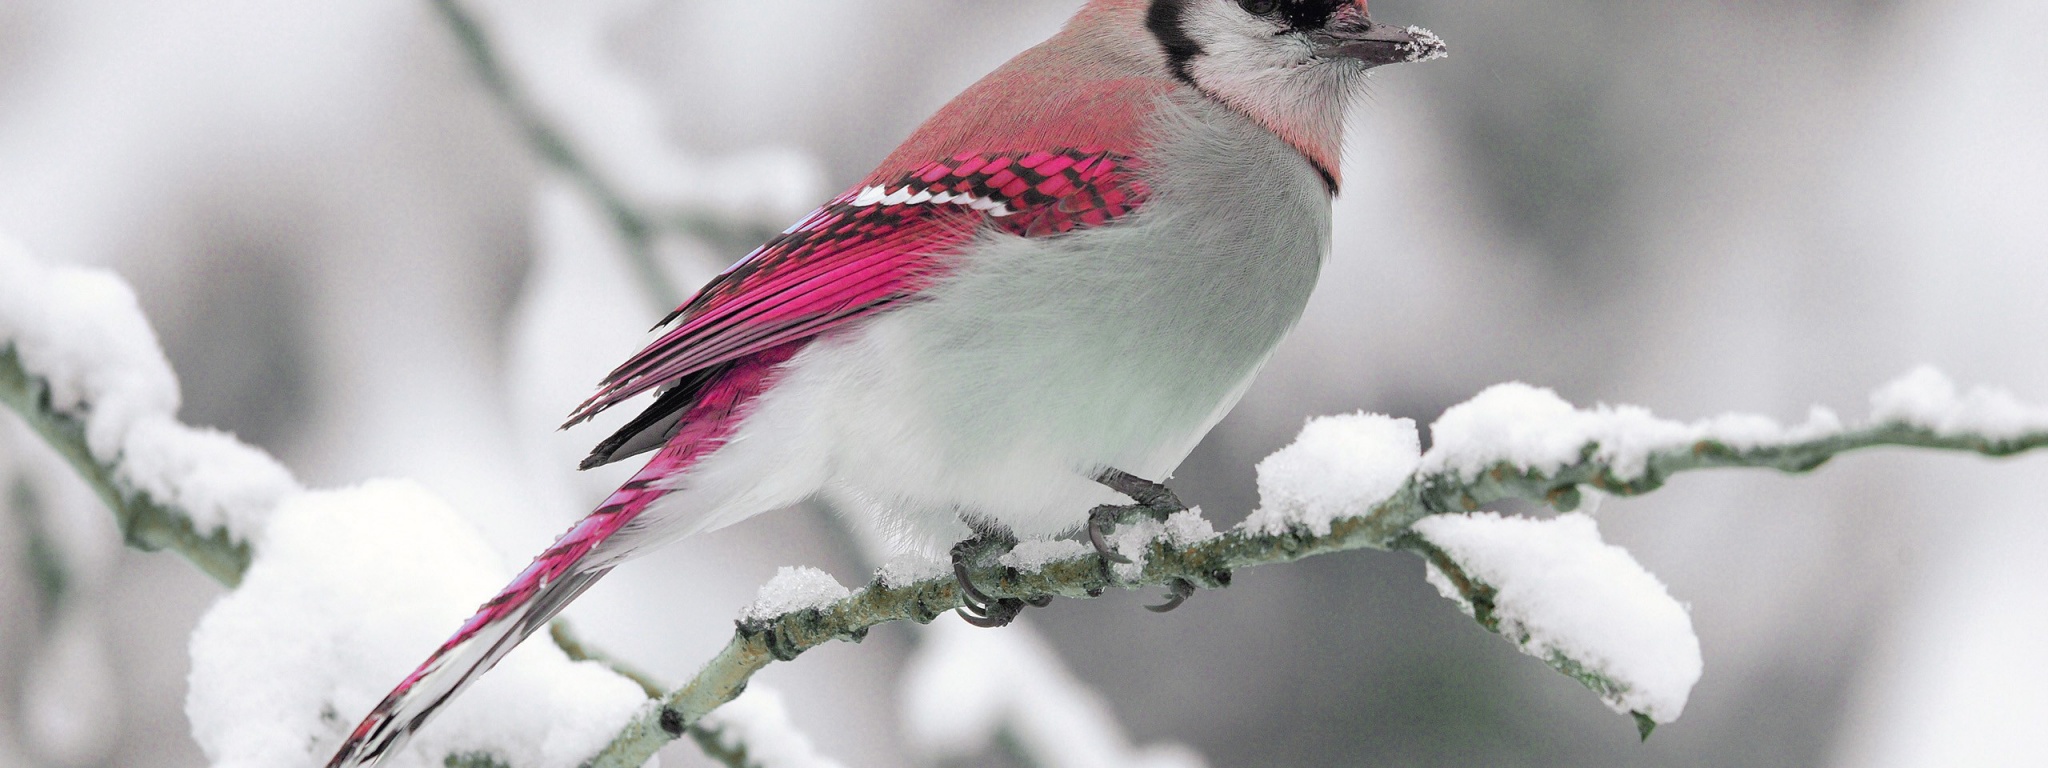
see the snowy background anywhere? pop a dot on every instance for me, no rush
(356, 262)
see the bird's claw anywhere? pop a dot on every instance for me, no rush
(964, 552)
(997, 614)
(982, 610)
(1100, 521)
(1177, 594)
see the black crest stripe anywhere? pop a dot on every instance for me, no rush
(1164, 20)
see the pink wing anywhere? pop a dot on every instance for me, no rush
(873, 247)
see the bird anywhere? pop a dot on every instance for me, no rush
(1029, 311)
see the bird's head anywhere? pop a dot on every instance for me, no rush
(1220, 44)
(1292, 64)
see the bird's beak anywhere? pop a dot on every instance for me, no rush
(1377, 44)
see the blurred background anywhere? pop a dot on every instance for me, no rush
(357, 260)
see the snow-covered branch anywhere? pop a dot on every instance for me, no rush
(83, 369)
(146, 523)
(80, 365)
(1361, 482)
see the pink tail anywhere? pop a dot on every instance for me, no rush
(576, 561)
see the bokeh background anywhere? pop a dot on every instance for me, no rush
(356, 260)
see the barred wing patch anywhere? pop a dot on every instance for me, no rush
(871, 248)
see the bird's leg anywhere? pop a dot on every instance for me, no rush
(1153, 496)
(982, 610)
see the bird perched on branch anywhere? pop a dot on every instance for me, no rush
(1048, 294)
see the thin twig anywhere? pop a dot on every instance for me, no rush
(638, 228)
(716, 743)
(46, 567)
(756, 645)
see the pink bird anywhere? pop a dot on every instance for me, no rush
(1053, 289)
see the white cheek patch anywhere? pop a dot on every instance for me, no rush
(873, 196)
(1250, 61)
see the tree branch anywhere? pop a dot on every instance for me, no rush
(147, 523)
(715, 742)
(636, 228)
(1207, 563)
(639, 229)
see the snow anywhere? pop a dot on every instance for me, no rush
(1036, 554)
(1188, 528)
(794, 589)
(349, 591)
(1428, 46)
(966, 687)
(1134, 540)
(82, 332)
(1340, 466)
(758, 722)
(217, 480)
(1534, 429)
(910, 568)
(1562, 592)
(1928, 399)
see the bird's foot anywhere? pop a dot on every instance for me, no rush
(1154, 500)
(1179, 590)
(981, 609)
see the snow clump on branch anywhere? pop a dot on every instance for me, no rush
(1562, 595)
(792, 590)
(1928, 399)
(1534, 429)
(1339, 467)
(82, 334)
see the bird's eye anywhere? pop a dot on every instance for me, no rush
(1260, 7)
